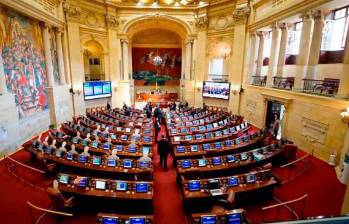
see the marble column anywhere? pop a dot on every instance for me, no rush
(260, 53)
(273, 59)
(48, 56)
(125, 59)
(60, 57)
(304, 49)
(253, 56)
(282, 52)
(343, 90)
(66, 57)
(315, 47)
(188, 64)
(3, 87)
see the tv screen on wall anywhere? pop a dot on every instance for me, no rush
(219, 90)
(97, 89)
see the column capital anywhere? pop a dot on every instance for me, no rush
(241, 12)
(111, 21)
(59, 31)
(261, 34)
(318, 14)
(284, 26)
(45, 25)
(72, 12)
(306, 15)
(201, 22)
(124, 41)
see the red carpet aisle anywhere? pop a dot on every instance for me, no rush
(168, 208)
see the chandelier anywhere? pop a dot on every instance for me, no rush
(157, 60)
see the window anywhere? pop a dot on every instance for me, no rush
(216, 66)
(335, 31)
(94, 61)
(294, 38)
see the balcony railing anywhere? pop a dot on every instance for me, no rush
(326, 87)
(259, 80)
(283, 83)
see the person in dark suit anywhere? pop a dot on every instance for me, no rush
(108, 105)
(148, 113)
(157, 127)
(164, 150)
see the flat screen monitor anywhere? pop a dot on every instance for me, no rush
(233, 181)
(188, 137)
(137, 220)
(216, 161)
(97, 160)
(84, 142)
(177, 138)
(215, 125)
(225, 132)
(243, 156)
(192, 129)
(110, 220)
(111, 162)
(208, 135)
(206, 146)
(123, 137)
(173, 131)
(146, 139)
(121, 186)
(237, 128)
(181, 149)
(202, 162)
(218, 145)
(83, 182)
(202, 128)
(48, 150)
(194, 185)
(101, 184)
(75, 140)
(228, 143)
(147, 131)
(250, 178)
(237, 141)
(246, 138)
(208, 219)
(82, 158)
(127, 163)
(219, 90)
(233, 218)
(119, 148)
(232, 129)
(220, 123)
(64, 179)
(198, 136)
(141, 187)
(127, 130)
(97, 89)
(194, 148)
(213, 184)
(202, 121)
(113, 136)
(118, 129)
(106, 146)
(209, 126)
(95, 144)
(186, 163)
(144, 164)
(132, 149)
(69, 156)
(230, 158)
(183, 130)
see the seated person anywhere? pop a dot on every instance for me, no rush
(73, 151)
(58, 200)
(78, 135)
(88, 137)
(98, 128)
(106, 130)
(85, 152)
(62, 148)
(145, 158)
(113, 155)
(53, 144)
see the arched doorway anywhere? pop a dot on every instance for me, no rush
(157, 51)
(94, 65)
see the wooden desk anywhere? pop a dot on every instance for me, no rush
(123, 218)
(221, 217)
(156, 97)
(109, 192)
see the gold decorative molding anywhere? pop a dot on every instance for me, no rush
(241, 13)
(111, 21)
(201, 22)
(72, 12)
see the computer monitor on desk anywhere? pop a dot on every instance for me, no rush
(186, 163)
(111, 163)
(194, 148)
(208, 219)
(183, 130)
(100, 184)
(83, 182)
(146, 139)
(64, 179)
(177, 138)
(233, 181)
(110, 220)
(127, 163)
(233, 218)
(137, 220)
(208, 135)
(106, 146)
(97, 160)
(181, 149)
(250, 178)
(121, 186)
(123, 137)
(213, 184)
(216, 161)
(132, 149)
(188, 138)
(198, 136)
(95, 144)
(82, 158)
(202, 162)
(206, 146)
(194, 185)
(218, 145)
(141, 187)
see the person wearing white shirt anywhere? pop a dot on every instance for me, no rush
(62, 148)
(145, 158)
(73, 151)
(85, 152)
(113, 154)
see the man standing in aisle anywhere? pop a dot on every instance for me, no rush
(163, 149)
(157, 128)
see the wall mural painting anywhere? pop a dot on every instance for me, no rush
(54, 56)
(147, 72)
(21, 47)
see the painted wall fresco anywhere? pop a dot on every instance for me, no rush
(146, 72)
(54, 56)
(22, 51)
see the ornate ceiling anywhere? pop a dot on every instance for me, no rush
(174, 3)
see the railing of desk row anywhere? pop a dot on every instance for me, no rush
(216, 137)
(229, 161)
(114, 129)
(140, 190)
(225, 126)
(188, 112)
(103, 218)
(103, 108)
(207, 118)
(109, 121)
(123, 139)
(201, 122)
(187, 116)
(224, 143)
(237, 183)
(96, 163)
(102, 148)
(115, 115)
(236, 216)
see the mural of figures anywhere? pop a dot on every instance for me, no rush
(54, 56)
(24, 62)
(147, 72)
